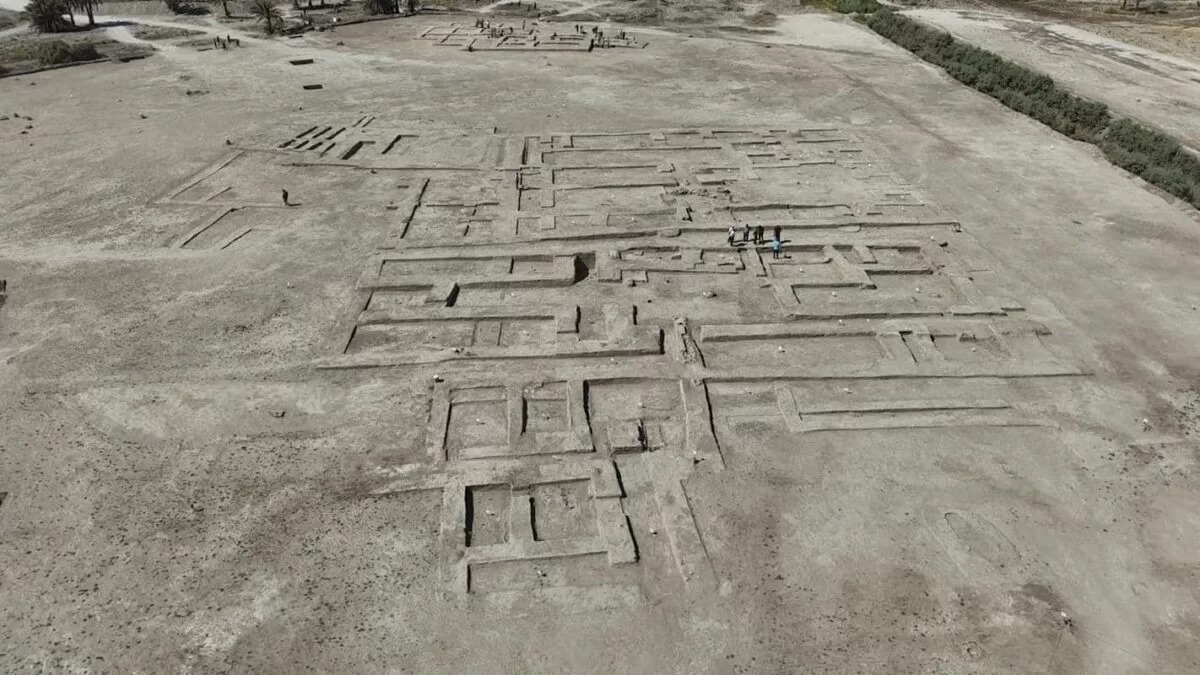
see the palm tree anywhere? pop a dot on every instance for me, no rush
(46, 16)
(266, 11)
(88, 6)
(380, 6)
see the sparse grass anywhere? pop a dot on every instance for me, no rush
(8, 18)
(1159, 159)
(761, 18)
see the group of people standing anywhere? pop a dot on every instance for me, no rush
(759, 239)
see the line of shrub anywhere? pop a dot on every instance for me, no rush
(1015, 86)
(855, 6)
(1155, 156)
(1149, 153)
(57, 51)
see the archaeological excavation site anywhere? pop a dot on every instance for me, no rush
(579, 337)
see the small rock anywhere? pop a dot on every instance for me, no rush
(438, 378)
(614, 254)
(142, 115)
(278, 413)
(630, 283)
(709, 294)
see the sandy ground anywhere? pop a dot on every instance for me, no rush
(495, 395)
(1161, 89)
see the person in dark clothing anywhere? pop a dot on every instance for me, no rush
(778, 233)
(285, 198)
(746, 234)
(758, 235)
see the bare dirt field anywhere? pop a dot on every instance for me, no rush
(493, 393)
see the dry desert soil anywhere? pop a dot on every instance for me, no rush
(493, 393)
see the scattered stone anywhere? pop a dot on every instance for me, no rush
(142, 115)
(278, 413)
(709, 294)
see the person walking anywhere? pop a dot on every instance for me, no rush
(746, 234)
(732, 235)
(775, 246)
(285, 198)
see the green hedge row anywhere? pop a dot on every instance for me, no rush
(1151, 154)
(1017, 87)
(855, 6)
(56, 51)
(1154, 156)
